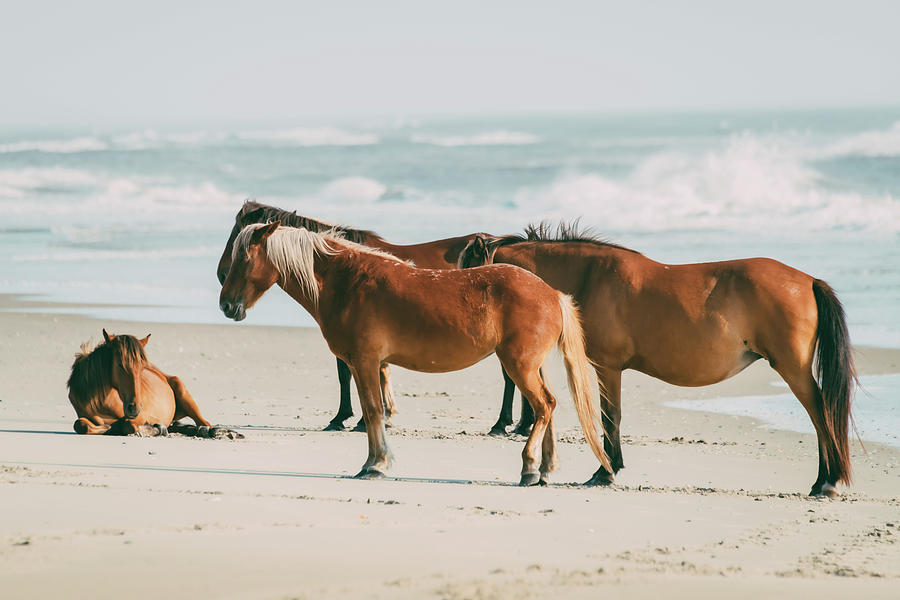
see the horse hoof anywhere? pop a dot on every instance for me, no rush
(203, 431)
(600, 477)
(545, 479)
(827, 490)
(529, 479)
(161, 430)
(335, 426)
(523, 429)
(498, 431)
(370, 473)
(361, 426)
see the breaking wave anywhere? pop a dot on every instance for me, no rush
(490, 138)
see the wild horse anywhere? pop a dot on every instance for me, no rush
(695, 325)
(439, 254)
(115, 390)
(374, 309)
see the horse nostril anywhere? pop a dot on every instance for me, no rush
(225, 306)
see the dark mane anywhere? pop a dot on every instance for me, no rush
(254, 212)
(91, 371)
(562, 232)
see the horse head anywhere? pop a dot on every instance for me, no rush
(477, 253)
(127, 362)
(250, 273)
(250, 212)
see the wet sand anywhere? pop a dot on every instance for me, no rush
(708, 504)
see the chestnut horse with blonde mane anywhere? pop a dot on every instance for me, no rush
(115, 390)
(439, 254)
(374, 309)
(695, 325)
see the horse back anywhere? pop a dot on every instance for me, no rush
(437, 254)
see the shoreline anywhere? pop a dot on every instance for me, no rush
(707, 502)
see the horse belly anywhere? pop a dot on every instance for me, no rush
(442, 354)
(698, 356)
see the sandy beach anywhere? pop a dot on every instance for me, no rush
(708, 504)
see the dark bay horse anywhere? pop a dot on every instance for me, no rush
(374, 309)
(695, 325)
(439, 254)
(115, 390)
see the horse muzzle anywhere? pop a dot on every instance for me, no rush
(132, 410)
(233, 310)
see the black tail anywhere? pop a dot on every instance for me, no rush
(837, 378)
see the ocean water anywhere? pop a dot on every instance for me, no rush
(876, 411)
(130, 223)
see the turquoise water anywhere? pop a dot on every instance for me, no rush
(876, 409)
(137, 218)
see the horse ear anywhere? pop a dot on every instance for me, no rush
(144, 341)
(479, 245)
(262, 234)
(106, 336)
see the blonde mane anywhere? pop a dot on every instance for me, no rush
(292, 251)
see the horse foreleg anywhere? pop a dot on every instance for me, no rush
(505, 419)
(345, 410)
(611, 404)
(184, 403)
(368, 384)
(87, 427)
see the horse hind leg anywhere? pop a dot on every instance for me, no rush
(611, 404)
(805, 388)
(543, 403)
(87, 427)
(526, 416)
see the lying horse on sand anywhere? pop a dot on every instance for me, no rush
(115, 390)
(374, 309)
(696, 325)
(439, 254)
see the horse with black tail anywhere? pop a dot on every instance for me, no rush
(695, 325)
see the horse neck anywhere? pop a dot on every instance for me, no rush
(324, 268)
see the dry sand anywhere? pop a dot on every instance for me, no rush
(720, 511)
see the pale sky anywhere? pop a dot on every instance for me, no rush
(95, 63)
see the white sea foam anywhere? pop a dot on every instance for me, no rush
(59, 192)
(751, 184)
(79, 144)
(311, 136)
(490, 138)
(17, 183)
(878, 143)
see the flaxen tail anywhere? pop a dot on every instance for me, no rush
(837, 378)
(582, 378)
